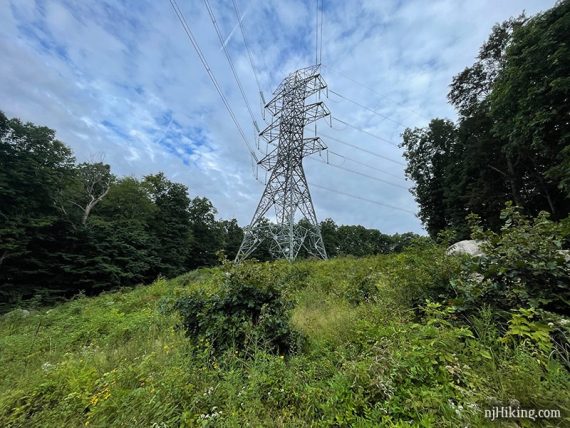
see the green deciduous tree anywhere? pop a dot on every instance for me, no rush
(207, 233)
(510, 141)
(170, 225)
(429, 153)
(34, 166)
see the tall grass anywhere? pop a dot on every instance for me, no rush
(370, 357)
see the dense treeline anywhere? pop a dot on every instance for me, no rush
(67, 227)
(511, 139)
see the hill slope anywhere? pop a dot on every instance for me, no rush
(368, 357)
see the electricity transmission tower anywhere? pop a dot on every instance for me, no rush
(287, 190)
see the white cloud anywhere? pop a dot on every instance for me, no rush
(84, 68)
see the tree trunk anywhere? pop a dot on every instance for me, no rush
(513, 182)
(91, 205)
(3, 257)
(544, 188)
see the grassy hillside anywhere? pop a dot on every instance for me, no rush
(368, 356)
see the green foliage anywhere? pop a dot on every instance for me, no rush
(365, 361)
(359, 241)
(530, 104)
(522, 327)
(428, 154)
(207, 235)
(68, 228)
(510, 141)
(523, 265)
(240, 313)
(34, 167)
(170, 225)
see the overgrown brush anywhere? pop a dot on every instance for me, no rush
(374, 351)
(242, 312)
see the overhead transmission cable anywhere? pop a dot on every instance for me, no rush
(354, 146)
(321, 34)
(364, 164)
(317, 33)
(365, 131)
(230, 62)
(361, 198)
(362, 174)
(346, 76)
(194, 43)
(368, 108)
(239, 19)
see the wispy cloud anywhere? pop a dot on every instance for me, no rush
(120, 78)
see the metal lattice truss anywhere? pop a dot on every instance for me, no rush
(287, 190)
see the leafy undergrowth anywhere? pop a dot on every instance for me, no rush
(369, 355)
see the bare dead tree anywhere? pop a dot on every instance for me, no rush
(96, 179)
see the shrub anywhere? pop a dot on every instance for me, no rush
(523, 328)
(522, 266)
(239, 314)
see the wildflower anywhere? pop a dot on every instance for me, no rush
(46, 367)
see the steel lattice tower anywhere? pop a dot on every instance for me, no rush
(287, 189)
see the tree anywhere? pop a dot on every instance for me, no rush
(428, 152)
(206, 232)
(170, 224)
(34, 166)
(96, 179)
(329, 232)
(121, 229)
(232, 236)
(511, 138)
(530, 107)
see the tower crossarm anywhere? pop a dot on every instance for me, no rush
(315, 111)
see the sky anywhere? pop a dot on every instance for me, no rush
(119, 80)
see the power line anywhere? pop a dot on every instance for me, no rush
(364, 150)
(346, 76)
(362, 174)
(362, 199)
(321, 34)
(365, 132)
(230, 62)
(365, 165)
(317, 34)
(239, 19)
(368, 108)
(210, 74)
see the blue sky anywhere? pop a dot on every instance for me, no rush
(119, 80)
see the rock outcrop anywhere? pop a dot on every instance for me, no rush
(469, 246)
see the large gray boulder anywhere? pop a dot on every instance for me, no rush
(469, 246)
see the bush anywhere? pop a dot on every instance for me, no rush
(523, 266)
(239, 314)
